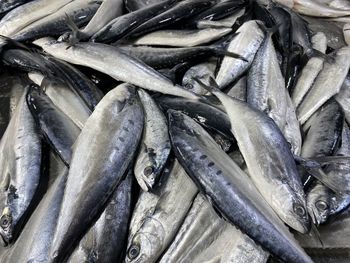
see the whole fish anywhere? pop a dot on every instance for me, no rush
(202, 71)
(282, 174)
(114, 62)
(327, 84)
(104, 242)
(20, 170)
(160, 227)
(343, 98)
(155, 146)
(123, 25)
(108, 10)
(246, 44)
(182, 38)
(229, 189)
(102, 153)
(201, 227)
(310, 70)
(179, 12)
(58, 129)
(80, 12)
(15, 20)
(66, 100)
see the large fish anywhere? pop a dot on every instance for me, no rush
(102, 153)
(155, 145)
(114, 62)
(160, 227)
(20, 169)
(229, 189)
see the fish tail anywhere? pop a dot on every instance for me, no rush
(223, 52)
(311, 52)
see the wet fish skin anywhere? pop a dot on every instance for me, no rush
(122, 26)
(327, 84)
(20, 170)
(179, 12)
(8, 5)
(155, 146)
(215, 173)
(246, 44)
(114, 62)
(104, 242)
(228, 22)
(159, 228)
(80, 12)
(343, 98)
(58, 129)
(112, 134)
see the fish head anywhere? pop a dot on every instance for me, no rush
(145, 169)
(294, 210)
(146, 243)
(6, 226)
(189, 83)
(318, 205)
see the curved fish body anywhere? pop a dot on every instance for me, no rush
(239, 89)
(160, 227)
(229, 189)
(133, 5)
(114, 62)
(26, 14)
(55, 24)
(319, 203)
(20, 162)
(179, 12)
(8, 5)
(58, 129)
(66, 100)
(278, 181)
(34, 243)
(200, 229)
(202, 71)
(326, 85)
(310, 70)
(246, 44)
(182, 38)
(109, 10)
(105, 240)
(343, 98)
(123, 25)
(314, 8)
(102, 153)
(78, 82)
(155, 144)
(162, 57)
(205, 114)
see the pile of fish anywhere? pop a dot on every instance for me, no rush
(171, 131)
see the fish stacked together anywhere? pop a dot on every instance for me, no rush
(171, 131)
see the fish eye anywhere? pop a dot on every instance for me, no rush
(321, 205)
(299, 210)
(134, 251)
(148, 170)
(189, 86)
(5, 221)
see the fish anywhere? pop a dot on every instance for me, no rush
(155, 146)
(310, 70)
(215, 173)
(123, 25)
(114, 62)
(20, 170)
(80, 12)
(285, 178)
(182, 38)
(112, 133)
(104, 241)
(58, 129)
(15, 20)
(343, 97)
(330, 79)
(160, 227)
(228, 21)
(246, 44)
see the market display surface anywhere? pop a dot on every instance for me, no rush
(175, 131)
